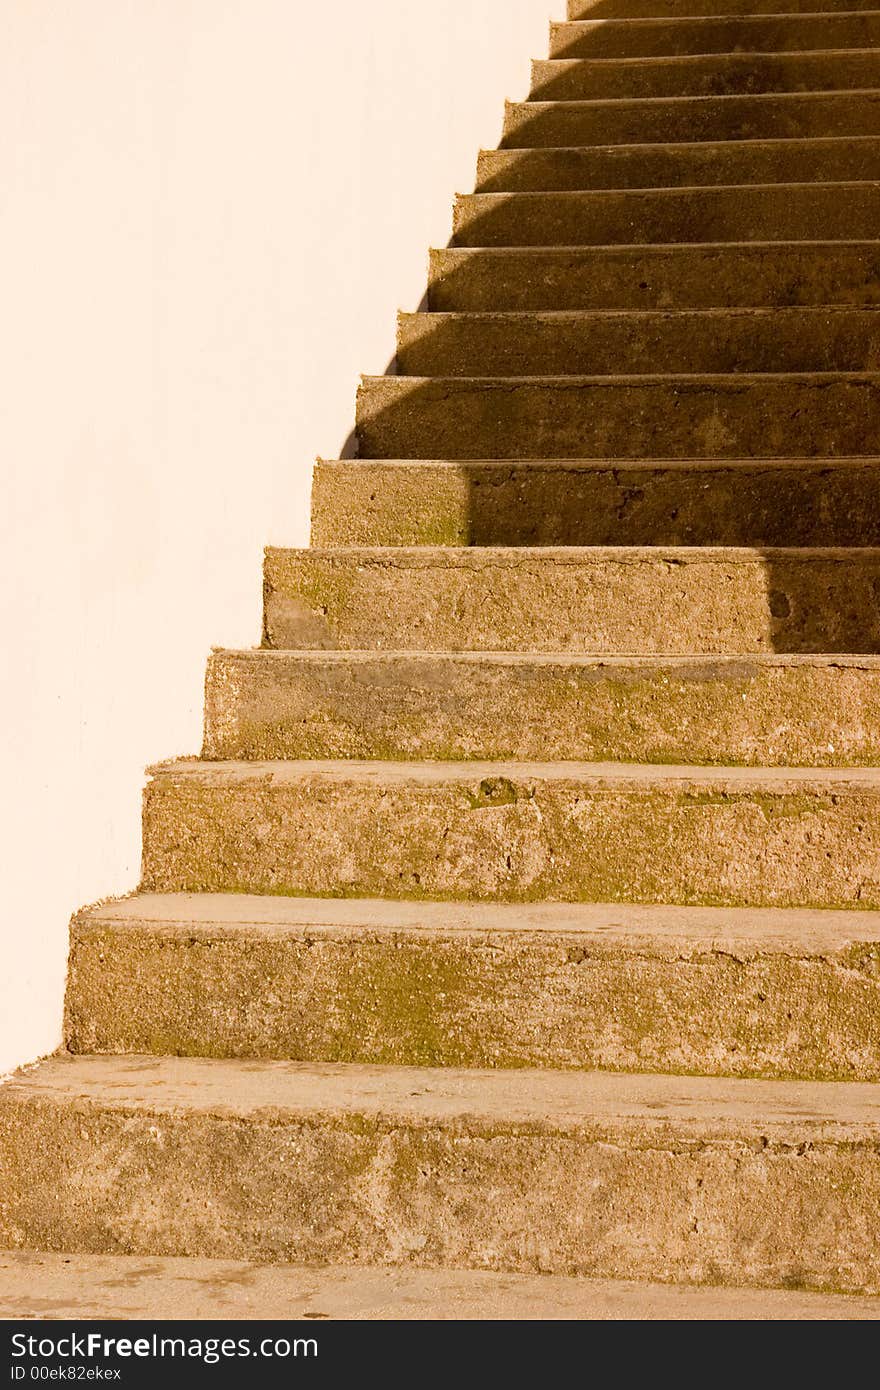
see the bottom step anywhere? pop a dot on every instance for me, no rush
(685, 1179)
(127, 1287)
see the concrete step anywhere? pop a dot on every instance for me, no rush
(516, 832)
(699, 118)
(591, 601)
(127, 1287)
(683, 35)
(655, 277)
(559, 343)
(672, 1178)
(831, 415)
(764, 710)
(666, 9)
(714, 74)
(713, 991)
(850, 158)
(727, 34)
(737, 502)
(601, 217)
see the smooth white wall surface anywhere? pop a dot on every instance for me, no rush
(210, 211)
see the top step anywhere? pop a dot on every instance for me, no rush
(681, 35)
(670, 9)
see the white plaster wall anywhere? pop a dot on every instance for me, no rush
(210, 211)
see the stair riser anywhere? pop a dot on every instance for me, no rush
(627, 122)
(687, 277)
(668, 166)
(795, 213)
(363, 503)
(724, 417)
(764, 34)
(644, 602)
(738, 74)
(699, 1206)
(266, 706)
(476, 999)
(504, 841)
(584, 345)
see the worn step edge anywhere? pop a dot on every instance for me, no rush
(738, 1182)
(811, 711)
(127, 1287)
(710, 9)
(737, 993)
(778, 781)
(739, 57)
(749, 929)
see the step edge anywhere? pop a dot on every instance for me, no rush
(841, 1111)
(737, 780)
(818, 94)
(666, 59)
(774, 930)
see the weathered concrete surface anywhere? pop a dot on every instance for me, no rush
(735, 416)
(665, 166)
(611, 1176)
(517, 832)
(771, 116)
(708, 990)
(647, 9)
(796, 711)
(594, 601)
(557, 343)
(123, 1287)
(654, 277)
(603, 217)
(604, 502)
(715, 74)
(760, 34)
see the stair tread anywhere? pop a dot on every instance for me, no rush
(778, 142)
(377, 772)
(654, 248)
(769, 314)
(702, 190)
(124, 1287)
(567, 1100)
(673, 664)
(711, 9)
(626, 378)
(592, 464)
(820, 95)
(662, 20)
(679, 191)
(767, 929)
(693, 59)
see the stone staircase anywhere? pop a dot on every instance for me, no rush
(520, 914)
